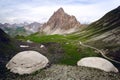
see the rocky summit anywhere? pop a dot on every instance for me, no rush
(60, 23)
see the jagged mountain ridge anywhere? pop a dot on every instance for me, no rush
(60, 23)
(33, 27)
(23, 29)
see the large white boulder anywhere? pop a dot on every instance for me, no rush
(97, 62)
(27, 62)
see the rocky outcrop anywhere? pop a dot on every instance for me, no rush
(27, 62)
(99, 63)
(60, 23)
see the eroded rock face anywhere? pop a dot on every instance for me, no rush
(27, 62)
(60, 23)
(97, 62)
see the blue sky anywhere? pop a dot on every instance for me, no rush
(86, 11)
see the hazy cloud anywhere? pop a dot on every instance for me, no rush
(16, 11)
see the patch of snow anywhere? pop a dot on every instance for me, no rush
(24, 46)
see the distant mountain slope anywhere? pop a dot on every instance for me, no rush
(108, 22)
(23, 29)
(60, 23)
(108, 27)
(33, 27)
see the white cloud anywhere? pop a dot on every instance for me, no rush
(84, 12)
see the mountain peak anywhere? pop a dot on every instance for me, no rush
(60, 10)
(60, 23)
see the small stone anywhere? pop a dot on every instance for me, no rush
(42, 46)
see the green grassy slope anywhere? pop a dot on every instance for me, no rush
(71, 48)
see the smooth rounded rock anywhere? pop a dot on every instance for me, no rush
(97, 62)
(27, 62)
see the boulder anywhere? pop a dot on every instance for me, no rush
(27, 62)
(42, 46)
(97, 62)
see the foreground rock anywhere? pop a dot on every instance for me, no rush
(99, 63)
(63, 72)
(27, 62)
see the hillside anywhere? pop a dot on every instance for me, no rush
(8, 49)
(105, 33)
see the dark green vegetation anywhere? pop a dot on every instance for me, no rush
(6, 44)
(8, 49)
